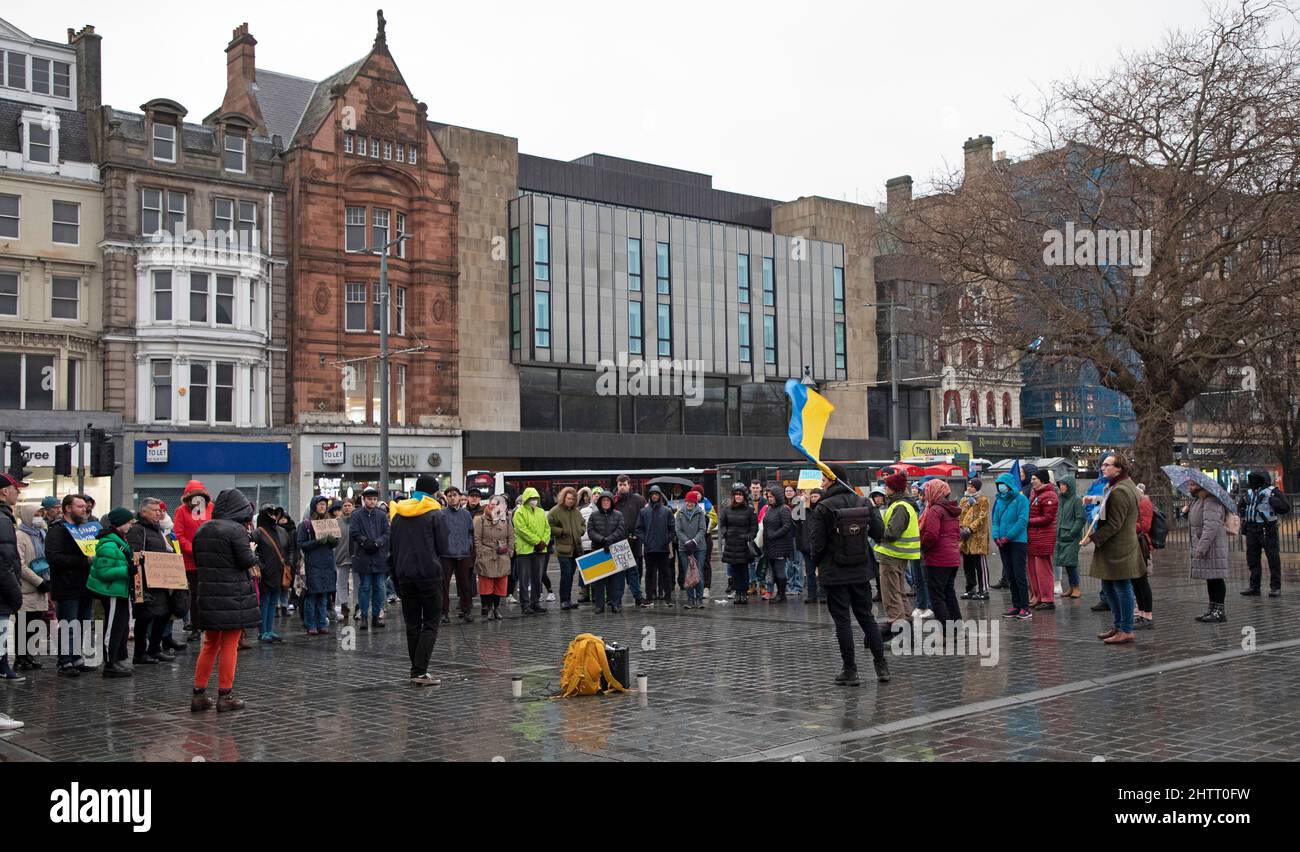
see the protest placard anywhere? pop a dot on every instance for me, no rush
(328, 528)
(164, 570)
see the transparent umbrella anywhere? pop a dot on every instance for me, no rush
(1184, 477)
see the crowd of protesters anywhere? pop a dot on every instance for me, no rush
(254, 569)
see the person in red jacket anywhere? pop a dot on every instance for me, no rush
(1143, 618)
(1043, 505)
(194, 511)
(941, 549)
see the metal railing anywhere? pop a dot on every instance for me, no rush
(1288, 527)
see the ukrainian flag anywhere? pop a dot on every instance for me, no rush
(809, 412)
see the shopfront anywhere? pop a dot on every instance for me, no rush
(344, 465)
(259, 466)
(43, 483)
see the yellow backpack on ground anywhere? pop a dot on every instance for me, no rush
(585, 667)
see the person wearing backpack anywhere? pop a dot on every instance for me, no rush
(1260, 507)
(898, 544)
(840, 528)
(737, 526)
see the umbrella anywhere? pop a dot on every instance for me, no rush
(1184, 477)
(671, 480)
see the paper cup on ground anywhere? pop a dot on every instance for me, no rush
(517, 687)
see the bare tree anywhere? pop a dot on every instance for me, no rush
(1154, 230)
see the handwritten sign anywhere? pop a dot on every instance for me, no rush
(327, 528)
(85, 536)
(603, 563)
(809, 479)
(164, 570)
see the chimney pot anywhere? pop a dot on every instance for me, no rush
(978, 151)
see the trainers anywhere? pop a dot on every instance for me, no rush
(1056, 589)
(510, 599)
(927, 613)
(847, 677)
(425, 680)
(969, 596)
(1100, 606)
(1011, 613)
(8, 724)
(1250, 593)
(706, 594)
(916, 613)
(882, 670)
(550, 597)
(1024, 615)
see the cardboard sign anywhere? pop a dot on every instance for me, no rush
(328, 528)
(603, 563)
(164, 570)
(809, 479)
(85, 536)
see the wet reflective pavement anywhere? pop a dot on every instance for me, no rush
(724, 684)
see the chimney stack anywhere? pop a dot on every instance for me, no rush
(89, 80)
(241, 77)
(898, 193)
(979, 154)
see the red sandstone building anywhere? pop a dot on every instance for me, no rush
(360, 166)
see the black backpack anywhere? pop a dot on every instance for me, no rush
(1277, 500)
(1159, 529)
(851, 530)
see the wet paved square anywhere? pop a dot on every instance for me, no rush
(724, 684)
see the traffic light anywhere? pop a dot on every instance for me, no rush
(18, 461)
(63, 460)
(103, 455)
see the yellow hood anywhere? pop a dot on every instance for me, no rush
(413, 508)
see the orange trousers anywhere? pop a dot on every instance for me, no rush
(220, 648)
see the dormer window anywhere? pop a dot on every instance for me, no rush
(40, 135)
(236, 151)
(164, 142)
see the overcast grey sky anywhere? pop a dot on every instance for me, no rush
(778, 99)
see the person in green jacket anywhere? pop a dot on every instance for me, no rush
(567, 530)
(1069, 529)
(532, 535)
(110, 579)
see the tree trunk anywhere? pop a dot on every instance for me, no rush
(1153, 447)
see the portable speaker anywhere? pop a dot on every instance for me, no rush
(618, 665)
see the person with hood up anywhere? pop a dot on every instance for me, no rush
(606, 526)
(35, 576)
(691, 527)
(1011, 535)
(1209, 550)
(532, 536)
(455, 529)
(224, 561)
(1069, 529)
(737, 526)
(11, 569)
(798, 505)
(318, 559)
(194, 511)
(568, 530)
(654, 527)
(630, 504)
(153, 616)
(287, 598)
(940, 526)
(110, 581)
(1117, 559)
(369, 532)
(272, 543)
(975, 524)
(801, 544)
(1258, 508)
(1043, 504)
(841, 529)
(494, 545)
(778, 540)
(416, 566)
(898, 546)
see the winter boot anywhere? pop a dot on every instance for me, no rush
(882, 670)
(847, 677)
(226, 701)
(200, 701)
(1214, 615)
(780, 591)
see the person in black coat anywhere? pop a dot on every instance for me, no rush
(69, 571)
(370, 533)
(801, 542)
(11, 566)
(737, 526)
(839, 527)
(153, 617)
(606, 526)
(654, 527)
(272, 541)
(417, 573)
(224, 559)
(629, 504)
(778, 539)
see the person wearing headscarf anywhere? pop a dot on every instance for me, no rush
(35, 576)
(345, 597)
(975, 524)
(1069, 529)
(494, 547)
(1043, 503)
(940, 526)
(318, 556)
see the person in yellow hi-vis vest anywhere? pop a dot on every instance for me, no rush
(900, 545)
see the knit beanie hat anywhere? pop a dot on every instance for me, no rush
(896, 482)
(118, 517)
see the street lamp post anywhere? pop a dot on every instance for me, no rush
(382, 251)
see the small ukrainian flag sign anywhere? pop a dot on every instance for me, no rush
(596, 565)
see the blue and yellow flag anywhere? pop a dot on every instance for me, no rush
(809, 412)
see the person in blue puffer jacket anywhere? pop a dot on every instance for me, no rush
(1011, 535)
